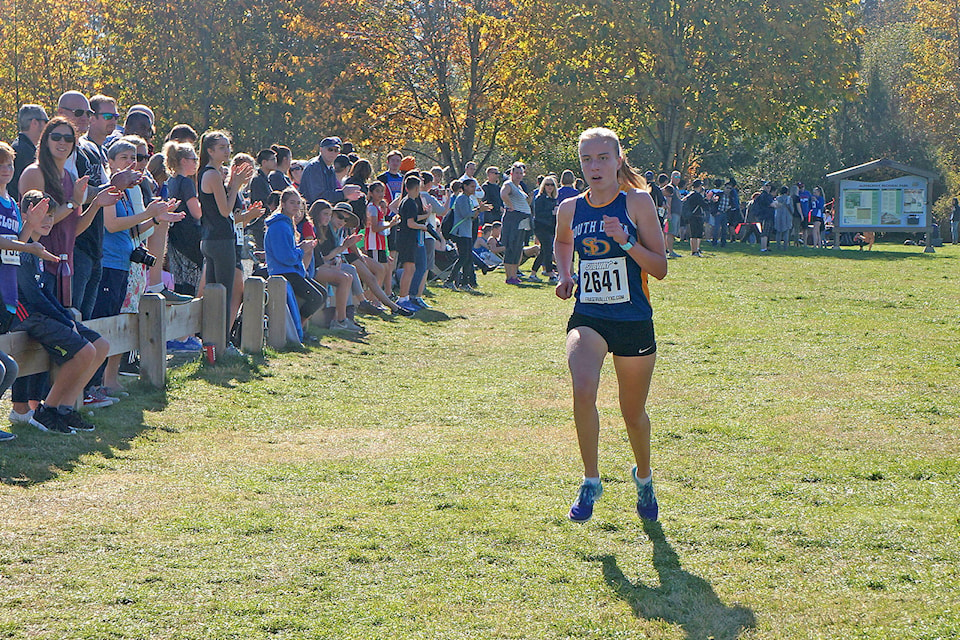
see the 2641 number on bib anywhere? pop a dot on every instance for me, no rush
(604, 281)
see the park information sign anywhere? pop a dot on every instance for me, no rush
(899, 204)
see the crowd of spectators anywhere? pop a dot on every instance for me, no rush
(692, 211)
(96, 213)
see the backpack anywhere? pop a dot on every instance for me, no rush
(446, 225)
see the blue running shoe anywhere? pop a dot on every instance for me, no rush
(419, 302)
(408, 305)
(582, 509)
(647, 507)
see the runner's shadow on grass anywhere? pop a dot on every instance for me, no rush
(683, 599)
(36, 457)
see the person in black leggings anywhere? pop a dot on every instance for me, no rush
(218, 240)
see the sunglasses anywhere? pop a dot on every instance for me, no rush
(143, 157)
(108, 116)
(79, 113)
(191, 158)
(66, 137)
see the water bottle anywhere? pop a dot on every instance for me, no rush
(65, 281)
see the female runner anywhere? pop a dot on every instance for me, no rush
(615, 231)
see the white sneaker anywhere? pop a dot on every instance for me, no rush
(20, 418)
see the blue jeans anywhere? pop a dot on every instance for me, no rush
(720, 229)
(86, 283)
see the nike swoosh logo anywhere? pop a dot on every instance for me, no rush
(647, 351)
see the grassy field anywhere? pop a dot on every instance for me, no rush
(806, 412)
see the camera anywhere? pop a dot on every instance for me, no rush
(141, 256)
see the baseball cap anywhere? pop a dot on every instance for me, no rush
(142, 109)
(330, 141)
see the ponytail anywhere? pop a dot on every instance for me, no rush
(630, 178)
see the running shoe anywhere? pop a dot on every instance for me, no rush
(514, 281)
(449, 285)
(47, 419)
(534, 278)
(366, 308)
(403, 311)
(674, 254)
(6, 436)
(75, 421)
(647, 507)
(344, 325)
(582, 509)
(20, 418)
(420, 302)
(97, 399)
(171, 297)
(406, 305)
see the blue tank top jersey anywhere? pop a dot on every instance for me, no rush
(9, 228)
(612, 285)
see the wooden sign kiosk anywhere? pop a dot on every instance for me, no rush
(903, 204)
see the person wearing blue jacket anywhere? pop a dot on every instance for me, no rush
(288, 258)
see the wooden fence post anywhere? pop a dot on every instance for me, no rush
(153, 340)
(251, 334)
(214, 322)
(277, 312)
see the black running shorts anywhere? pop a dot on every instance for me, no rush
(629, 338)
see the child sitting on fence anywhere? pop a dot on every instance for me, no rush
(10, 248)
(78, 350)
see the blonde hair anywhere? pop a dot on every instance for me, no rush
(627, 176)
(174, 153)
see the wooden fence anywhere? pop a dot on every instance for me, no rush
(157, 322)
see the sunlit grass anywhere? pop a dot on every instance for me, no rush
(415, 484)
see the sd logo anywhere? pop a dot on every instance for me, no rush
(595, 247)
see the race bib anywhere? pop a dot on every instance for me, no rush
(604, 281)
(10, 257)
(238, 232)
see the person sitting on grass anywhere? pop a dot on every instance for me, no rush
(288, 258)
(344, 225)
(328, 259)
(78, 350)
(481, 248)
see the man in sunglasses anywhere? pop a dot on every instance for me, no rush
(31, 119)
(88, 250)
(75, 107)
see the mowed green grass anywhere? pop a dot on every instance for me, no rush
(806, 437)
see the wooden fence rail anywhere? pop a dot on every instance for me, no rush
(157, 322)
